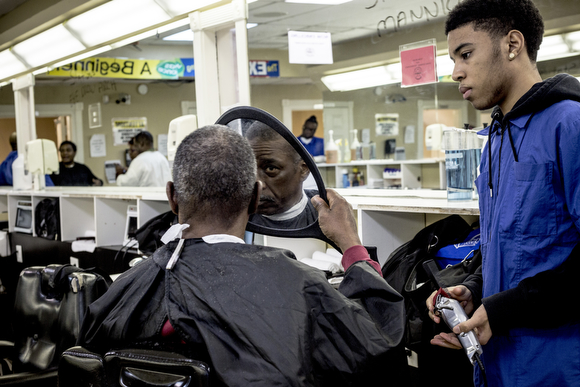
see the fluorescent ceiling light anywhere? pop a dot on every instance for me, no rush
(171, 26)
(559, 46)
(251, 25)
(80, 57)
(321, 2)
(180, 7)
(183, 36)
(573, 36)
(361, 79)
(133, 39)
(40, 71)
(115, 19)
(48, 46)
(444, 65)
(378, 76)
(10, 65)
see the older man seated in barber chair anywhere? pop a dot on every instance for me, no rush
(255, 314)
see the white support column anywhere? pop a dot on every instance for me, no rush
(220, 47)
(243, 60)
(24, 110)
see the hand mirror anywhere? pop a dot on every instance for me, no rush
(289, 175)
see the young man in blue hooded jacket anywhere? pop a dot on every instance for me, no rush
(529, 199)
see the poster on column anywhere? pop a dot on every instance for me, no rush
(124, 129)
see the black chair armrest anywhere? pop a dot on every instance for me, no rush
(47, 378)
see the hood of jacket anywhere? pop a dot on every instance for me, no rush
(543, 94)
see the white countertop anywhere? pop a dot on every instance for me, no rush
(422, 201)
(109, 192)
(396, 200)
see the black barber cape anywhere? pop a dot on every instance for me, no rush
(264, 318)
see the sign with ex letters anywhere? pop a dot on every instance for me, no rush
(264, 68)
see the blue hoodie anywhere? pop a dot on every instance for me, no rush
(529, 199)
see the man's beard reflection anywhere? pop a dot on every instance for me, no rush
(268, 205)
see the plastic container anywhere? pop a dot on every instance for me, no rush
(345, 180)
(20, 180)
(462, 155)
(331, 149)
(355, 146)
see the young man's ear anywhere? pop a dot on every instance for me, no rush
(172, 197)
(516, 44)
(253, 207)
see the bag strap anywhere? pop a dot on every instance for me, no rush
(431, 268)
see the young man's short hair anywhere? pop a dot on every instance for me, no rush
(498, 17)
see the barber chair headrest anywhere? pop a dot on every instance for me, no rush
(50, 306)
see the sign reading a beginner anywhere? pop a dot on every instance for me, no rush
(123, 68)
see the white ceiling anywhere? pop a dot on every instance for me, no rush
(353, 20)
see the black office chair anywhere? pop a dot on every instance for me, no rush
(80, 367)
(50, 304)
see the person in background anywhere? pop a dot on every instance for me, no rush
(71, 173)
(522, 304)
(149, 168)
(255, 314)
(314, 145)
(6, 166)
(6, 177)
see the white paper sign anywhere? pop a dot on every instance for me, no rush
(310, 47)
(110, 170)
(162, 144)
(409, 134)
(98, 145)
(124, 129)
(387, 124)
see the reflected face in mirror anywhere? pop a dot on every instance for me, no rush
(279, 167)
(288, 174)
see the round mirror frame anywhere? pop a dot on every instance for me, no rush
(252, 113)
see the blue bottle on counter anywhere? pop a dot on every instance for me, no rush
(345, 180)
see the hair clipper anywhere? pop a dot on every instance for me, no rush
(453, 314)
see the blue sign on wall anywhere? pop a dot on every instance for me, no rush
(258, 68)
(264, 68)
(189, 67)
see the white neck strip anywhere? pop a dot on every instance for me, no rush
(221, 238)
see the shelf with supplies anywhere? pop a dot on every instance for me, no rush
(389, 218)
(85, 212)
(386, 173)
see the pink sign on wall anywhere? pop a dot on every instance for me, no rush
(418, 66)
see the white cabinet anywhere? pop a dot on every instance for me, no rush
(407, 174)
(386, 218)
(389, 218)
(91, 211)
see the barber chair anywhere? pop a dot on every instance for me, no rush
(50, 304)
(80, 367)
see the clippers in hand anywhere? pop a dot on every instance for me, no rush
(453, 314)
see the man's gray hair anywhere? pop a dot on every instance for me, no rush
(214, 170)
